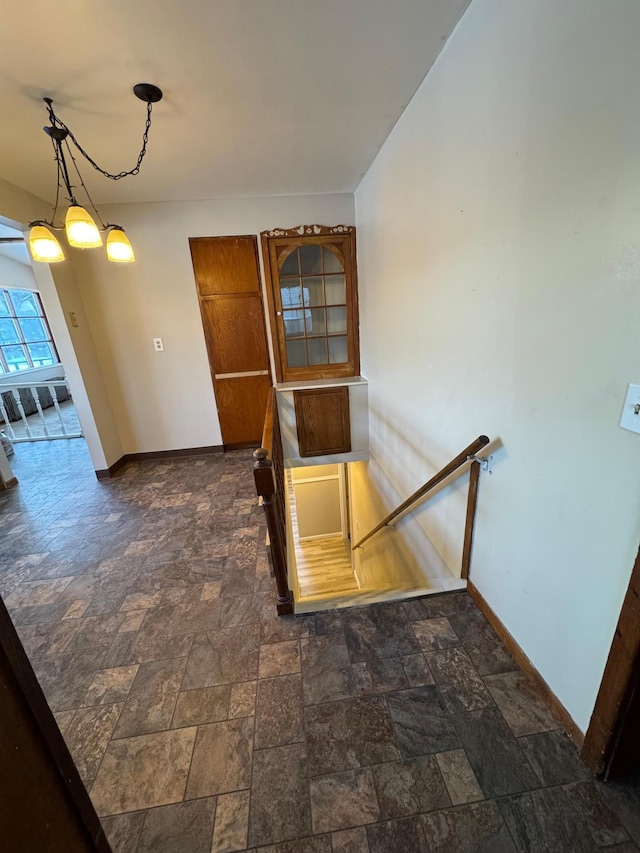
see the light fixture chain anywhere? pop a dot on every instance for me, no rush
(113, 177)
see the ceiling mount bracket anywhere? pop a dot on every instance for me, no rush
(147, 92)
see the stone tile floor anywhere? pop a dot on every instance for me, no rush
(201, 722)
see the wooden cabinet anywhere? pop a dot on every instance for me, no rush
(323, 422)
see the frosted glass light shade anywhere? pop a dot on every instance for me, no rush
(119, 248)
(82, 231)
(44, 246)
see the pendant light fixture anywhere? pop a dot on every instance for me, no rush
(80, 227)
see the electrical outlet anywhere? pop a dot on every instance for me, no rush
(158, 345)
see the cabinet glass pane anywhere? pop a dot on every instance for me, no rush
(338, 350)
(33, 329)
(310, 260)
(4, 308)
(296, 354)
(291, 293)
(336, 290)
(292, 265)
(24, 303)
(8, 332)
(317, 348)
(336, 320)
(331, 262)
(316, 322)
(15, 358)
(313, 292)
(41, 355)
(293, 323)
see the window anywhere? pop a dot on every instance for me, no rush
(313, 302)
(25, 339)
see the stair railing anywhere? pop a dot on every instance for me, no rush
(458, 461)
(269, 476)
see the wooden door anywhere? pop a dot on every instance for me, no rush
(228, 281)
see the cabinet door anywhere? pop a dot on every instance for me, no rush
(313, 304)
(322, 421)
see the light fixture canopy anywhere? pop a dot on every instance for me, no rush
(44, 246)
(119, 249)
(80, 226)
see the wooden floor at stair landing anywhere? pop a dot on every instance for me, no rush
(324, 567)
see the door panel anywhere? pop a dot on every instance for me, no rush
(228, 282)
(225, 264)
(244, 402)
(234, 326)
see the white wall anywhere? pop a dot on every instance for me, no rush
(499, 265)
(60, 294)
(165, 401)
(15, 274)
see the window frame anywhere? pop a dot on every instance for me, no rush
(277, 245)
(23, 342)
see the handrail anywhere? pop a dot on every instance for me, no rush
(455, 463)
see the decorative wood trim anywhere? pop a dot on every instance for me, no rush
(53, 742)
(546, 693)
(106, 473)
(310, 231)
(472, 500)
(620, 674)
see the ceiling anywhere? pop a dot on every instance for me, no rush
(262, 97)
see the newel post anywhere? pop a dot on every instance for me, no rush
(266, 488)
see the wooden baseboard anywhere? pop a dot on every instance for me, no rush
(546, 693)
(8, 484)
(106, 473)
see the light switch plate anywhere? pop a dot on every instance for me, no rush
(158, 345)
(631, 411)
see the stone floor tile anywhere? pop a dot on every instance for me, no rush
(133, 774)
(110, 685)
(343, 800)
(97, 631)
(242, 702)
(474, 827)
(459, 684)
(379, 675)
(623, 799)
(312, 844)
(221, 758)
(435, 606)
(350, 841)
(279, 658)
(232, 823)
(132, 621)
(279, 711)
(279, 808)
(180, 828)
(223, 657)
(421, 722)
(381, 631)
(326, 669)
(152, 698)
(605, 826)
(349, 734)
(433, 634)
(210, 591)
(77, 608)
(88, 735)
(482, 644)
(410, 786)
(459, 777)
(203, 705)
(545, 820)
(329, 622)
(417, 670)
(399, 836)
(520, 704)
(496, 757)
(554, 758)
(123, 831)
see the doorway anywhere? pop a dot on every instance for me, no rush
(230, 294)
